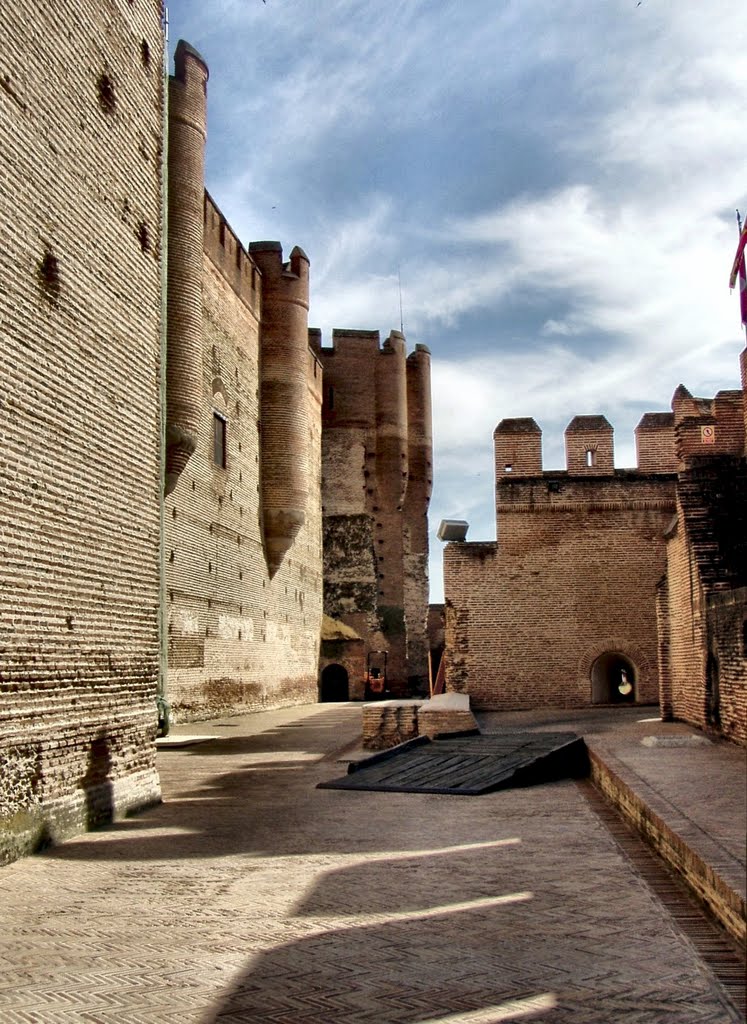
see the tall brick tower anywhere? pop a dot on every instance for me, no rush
(187, 137)
(284, 354)
(377, 452)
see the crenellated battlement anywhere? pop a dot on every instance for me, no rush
(589, 447)
(707, 426)
(352, 344)
(287, 280)
(224, 249)
(666, 442)
(346, 343)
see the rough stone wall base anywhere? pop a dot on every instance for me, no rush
(44, 824)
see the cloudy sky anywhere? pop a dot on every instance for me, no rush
(555, 184)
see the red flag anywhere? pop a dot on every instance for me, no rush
(743, 291)
(739, 258)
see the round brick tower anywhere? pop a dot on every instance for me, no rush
(417, 499)
(284, 443)
(186, 191)
(391, 487)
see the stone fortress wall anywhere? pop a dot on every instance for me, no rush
(137, 363)
(702, 599)
(564, 598)
(81, 110)
(597, 570)
(243, 517)
(377, 476)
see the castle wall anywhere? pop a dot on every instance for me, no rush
(683, 666)
(240, 636)
(567, 594)
(376, 487)
(726, 616)
(80, 298)
(703, 661)
(572, 577)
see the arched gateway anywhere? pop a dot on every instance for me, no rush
(334, 684)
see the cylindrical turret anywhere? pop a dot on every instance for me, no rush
(391, 422)
(284, 444)
(415, 532)
(420, 447)
(186, 193)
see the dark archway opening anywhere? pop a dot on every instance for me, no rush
(334, 684)
(613, 680)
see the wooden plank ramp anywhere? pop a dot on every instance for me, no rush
(469, 765)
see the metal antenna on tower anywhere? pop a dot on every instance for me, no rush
(399, 281)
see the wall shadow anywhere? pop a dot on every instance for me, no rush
(426, 964)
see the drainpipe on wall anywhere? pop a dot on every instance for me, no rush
(164, 708)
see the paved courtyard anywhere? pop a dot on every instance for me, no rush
(252, 896)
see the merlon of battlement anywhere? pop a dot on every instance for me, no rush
(183, 51)
(518, 425)
(589, 446)
(346, 341)
(656, 421)
(587, 423)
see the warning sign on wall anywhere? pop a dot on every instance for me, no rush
(708, 435)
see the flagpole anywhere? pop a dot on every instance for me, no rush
(742, 281)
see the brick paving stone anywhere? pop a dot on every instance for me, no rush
(251, 896)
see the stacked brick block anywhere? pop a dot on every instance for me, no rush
(80, 214)
(569, 587)
(377, 474)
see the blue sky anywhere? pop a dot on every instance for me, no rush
(554, 182)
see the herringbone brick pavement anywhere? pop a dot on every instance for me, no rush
(251, 896)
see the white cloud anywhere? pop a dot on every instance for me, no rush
(560, 179)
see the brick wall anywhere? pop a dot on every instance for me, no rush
(566, 598)
(80, 291)
(566, 583)
(726, 616)
(683, 666)
(377, 477)
(703, 671)
(654, 441)
(239, 637)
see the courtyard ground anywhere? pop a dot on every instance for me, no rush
(251, 896)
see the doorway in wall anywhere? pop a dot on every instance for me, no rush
(334, 684)
(613, 679)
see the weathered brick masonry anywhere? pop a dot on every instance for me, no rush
(376, 482)
(241, 636)
(702, 601)
(80, 297)
(565, 599)
(243, 516)
(598, 570)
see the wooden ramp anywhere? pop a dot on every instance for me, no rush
(468, 766)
